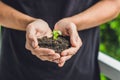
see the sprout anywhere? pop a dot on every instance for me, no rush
(56, 33)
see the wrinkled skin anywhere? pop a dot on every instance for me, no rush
(38, 29)
(68, 29)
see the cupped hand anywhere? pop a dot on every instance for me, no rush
(68, 29)
(39, 29)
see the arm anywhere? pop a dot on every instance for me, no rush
(100, 13)
(13, 19)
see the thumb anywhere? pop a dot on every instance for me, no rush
(34, 44)
(73, 40)
(33, 41)
(73, 35)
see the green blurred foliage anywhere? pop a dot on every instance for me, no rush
(103, 77)
(110, 38)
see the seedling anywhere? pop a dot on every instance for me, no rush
(56, 34)
(57, 42)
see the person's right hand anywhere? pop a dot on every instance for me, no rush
(38, 29)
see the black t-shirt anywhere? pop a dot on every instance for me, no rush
(17, 63)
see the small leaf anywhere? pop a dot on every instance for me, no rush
(56, 33)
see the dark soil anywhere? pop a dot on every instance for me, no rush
(58, 45)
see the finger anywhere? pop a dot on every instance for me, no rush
(58, 27)
(46, 52)
(49, 34)
(39, 35)
(33, 40)
(47, 58)
(43, 51)
(73, 41)
(70, 51)
(31, 35)
(42, 58)
(65, 58)
(27, 45)
(53, 57)
(61, 64)
(74, 37)
(56, 61)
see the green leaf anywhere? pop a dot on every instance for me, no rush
(56, 33)
(103, 77)
(114, 24)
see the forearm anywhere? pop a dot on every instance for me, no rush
(12, 18)
(98, 14)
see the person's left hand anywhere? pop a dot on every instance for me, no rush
(68, 29)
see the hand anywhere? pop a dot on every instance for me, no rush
(38, 29)
(68, 29)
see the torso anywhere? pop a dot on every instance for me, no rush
(17, 63)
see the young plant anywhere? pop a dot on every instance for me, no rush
(56, 33)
